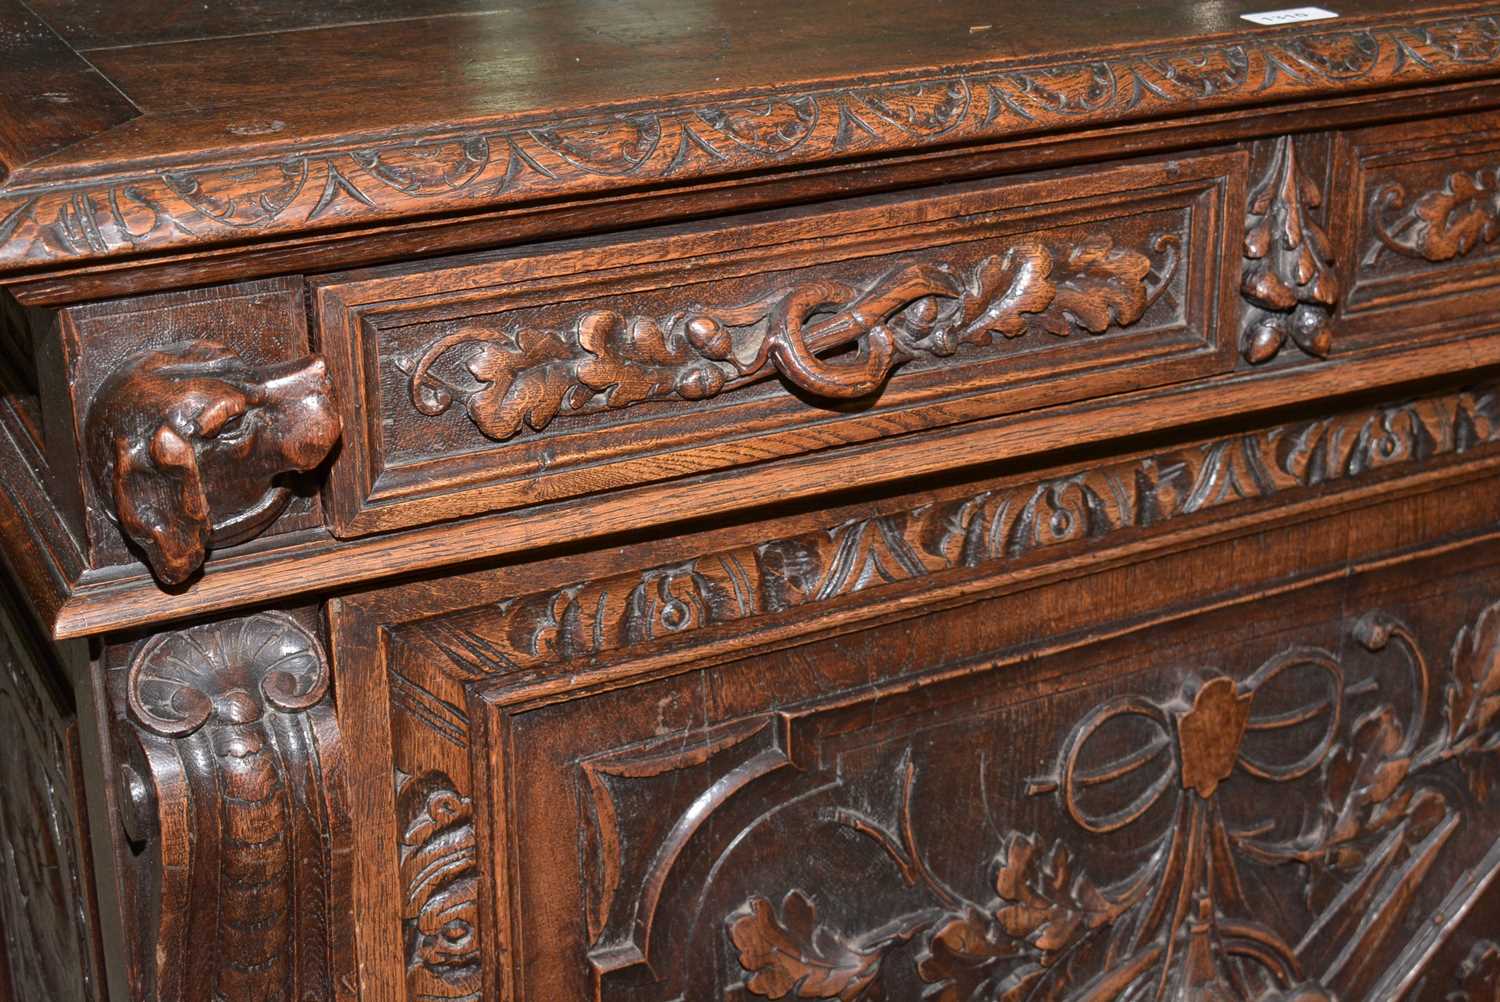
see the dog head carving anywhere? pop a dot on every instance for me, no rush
(188, 444)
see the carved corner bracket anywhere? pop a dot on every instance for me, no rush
(1288, 281)
(235, 793)
(188, 446)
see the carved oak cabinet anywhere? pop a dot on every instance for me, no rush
(695, 500)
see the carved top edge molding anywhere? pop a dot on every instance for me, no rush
(191, 204)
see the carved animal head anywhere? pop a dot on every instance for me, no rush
(188, 445)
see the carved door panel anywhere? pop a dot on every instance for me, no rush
(47, 912)
(1289, 795)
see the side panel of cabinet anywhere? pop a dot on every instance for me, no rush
(47, 912)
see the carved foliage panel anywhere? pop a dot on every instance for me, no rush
(1293, 800)
(1421, 215)
(436, 857)
(46, 887)
(445, 647)
(538, 376)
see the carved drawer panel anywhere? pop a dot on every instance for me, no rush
(1420, 210)
(521, 377)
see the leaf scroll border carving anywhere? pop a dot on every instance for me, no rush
(1181, 922)
(528, 376)
(587, 620)
(1440, 224)
(506, 162)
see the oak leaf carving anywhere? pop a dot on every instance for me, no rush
(525, 378)
(1472, 698)
(632, 361)
(1457, 218)
(1471, 702)
(967, 958)
(1106, 286)
(791, 955)
(1043, 903)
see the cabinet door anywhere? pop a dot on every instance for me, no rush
(1251, 754)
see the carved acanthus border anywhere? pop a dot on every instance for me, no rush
(501, 163)
(605, 361)
(238, 794)
(1181, 926)
(587, 620)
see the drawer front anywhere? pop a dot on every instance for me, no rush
(560, 371)
(718, 767)
(1420, 214)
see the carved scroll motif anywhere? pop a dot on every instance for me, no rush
(188, 445)
(250, 833)
(1182, 926)
(1441, 225)
(440, 877)
(1288, 279)
(528, 376)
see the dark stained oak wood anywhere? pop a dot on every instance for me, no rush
(54, 98)
(424, 148)
(690, 501)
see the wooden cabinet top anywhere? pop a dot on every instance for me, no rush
(144, 127)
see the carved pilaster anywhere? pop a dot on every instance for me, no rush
(1289, 283)
(188, 444)
(235, 783)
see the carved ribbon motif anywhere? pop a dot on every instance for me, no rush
(1181, 928)
(242, 750)
(1288, 278)
(1440, 225)
(528, 376)
(587, 619)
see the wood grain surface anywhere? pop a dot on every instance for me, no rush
(680, 500)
